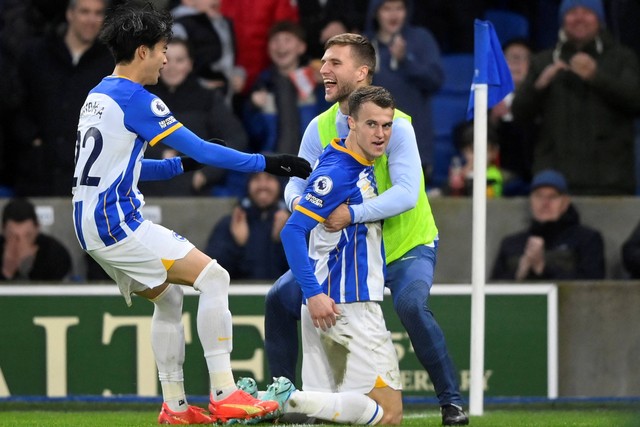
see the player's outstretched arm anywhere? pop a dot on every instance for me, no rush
(185, 141)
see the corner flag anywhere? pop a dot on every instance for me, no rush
(490, 66)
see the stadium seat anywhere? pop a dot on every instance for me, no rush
(448, 110)
(458, 73)
(449, 107)
(443, 152)
(6, 191)
(508, 25)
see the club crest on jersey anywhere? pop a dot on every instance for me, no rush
(322, 185)
(179, 237)
(159, 108)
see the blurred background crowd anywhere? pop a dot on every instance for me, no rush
(247, 72)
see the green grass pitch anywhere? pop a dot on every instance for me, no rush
(144, 415)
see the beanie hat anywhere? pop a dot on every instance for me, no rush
(550, 178)
(594, 5)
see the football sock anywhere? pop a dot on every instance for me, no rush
(167, 341)
(215, 327)
(345, 407)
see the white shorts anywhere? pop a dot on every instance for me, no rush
(355, 355)
(141, 260)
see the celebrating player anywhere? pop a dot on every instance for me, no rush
(117, 121)
(342, 322)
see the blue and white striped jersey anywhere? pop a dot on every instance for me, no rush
(117, 120)
(347, 265)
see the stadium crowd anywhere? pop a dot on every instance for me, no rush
(573, 63)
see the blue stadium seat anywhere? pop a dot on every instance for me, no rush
(443, 152)
(509, 25)
(6, 191)
(449, 107)
(448, 110)
(458, 73)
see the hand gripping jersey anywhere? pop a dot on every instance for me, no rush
(347, 265)
(117, 120)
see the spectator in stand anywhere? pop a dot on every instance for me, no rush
(323, 19)
(516, 140)
(252, 20)
(461, 170)
(408, 65)
(20, 22)
(213, 41)
(585, 93)
(248, 242)
(201, 110)
(28, 254)
(555, 246)
(631, 253)
(286, 96)
(56, 73)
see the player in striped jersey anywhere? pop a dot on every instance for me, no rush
(342, 279)
(117, 121)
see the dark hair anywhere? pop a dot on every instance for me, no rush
(19, 210)
(376, 94)
(132, 25)
(287, 27)
(362, 49)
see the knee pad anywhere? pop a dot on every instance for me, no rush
(213, 278)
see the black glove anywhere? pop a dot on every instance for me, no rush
(287, 165)
(188, 164)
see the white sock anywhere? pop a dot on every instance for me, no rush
(215, 327)
(167, 341)
(345, 408)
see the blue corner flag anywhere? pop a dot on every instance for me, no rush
(490, 66)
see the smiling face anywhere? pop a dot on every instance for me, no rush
(264, 190)
(341, 73)
(178, 66)
(154, 60)
(581, 25)
(85, 19)
(370, 130)
(285, 50)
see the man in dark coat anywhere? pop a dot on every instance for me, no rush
(555, 246)
(247, 242)
(56, 73)
(585, 93)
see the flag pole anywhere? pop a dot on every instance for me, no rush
(491, 83)
(478, 253)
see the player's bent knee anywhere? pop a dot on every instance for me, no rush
(213, 278)
(412, 299)
(172, 295)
